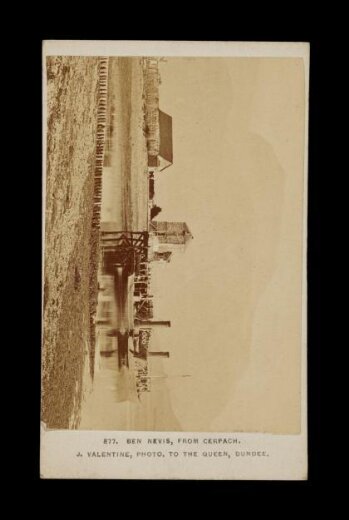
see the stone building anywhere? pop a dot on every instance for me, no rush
(171, 232)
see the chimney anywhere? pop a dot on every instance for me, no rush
(151, 323)
(160, 354)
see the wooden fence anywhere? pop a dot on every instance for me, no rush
(100, 143)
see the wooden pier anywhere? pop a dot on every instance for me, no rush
(126, 249)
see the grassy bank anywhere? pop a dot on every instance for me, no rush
(70, 263)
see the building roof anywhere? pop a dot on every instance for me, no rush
(166, 143)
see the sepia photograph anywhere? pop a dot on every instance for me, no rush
(174, 243)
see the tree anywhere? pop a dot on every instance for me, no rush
(155, 210)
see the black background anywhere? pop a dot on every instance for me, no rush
(238, 493)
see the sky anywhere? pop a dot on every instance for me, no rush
(234, 295)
